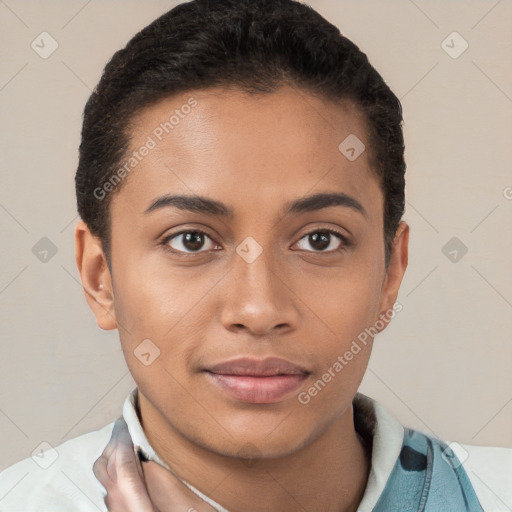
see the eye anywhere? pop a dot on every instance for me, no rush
(191, 241)
(323, 240)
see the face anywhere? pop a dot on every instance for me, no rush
(241, 235)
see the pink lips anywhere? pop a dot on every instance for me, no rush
(257, 381)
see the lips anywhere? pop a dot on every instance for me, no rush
(257, 381)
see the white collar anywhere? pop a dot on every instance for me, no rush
(387, 434)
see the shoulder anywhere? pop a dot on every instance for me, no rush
(448, 476)
(57, 479)
(490, 471)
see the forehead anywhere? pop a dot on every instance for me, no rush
(244, 149)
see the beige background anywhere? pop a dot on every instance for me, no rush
(442, 366)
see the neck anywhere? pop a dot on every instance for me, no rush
(329, 473)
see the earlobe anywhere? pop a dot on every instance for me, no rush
(95, 276)
(396, 269)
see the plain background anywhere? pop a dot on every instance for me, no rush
(444, 363)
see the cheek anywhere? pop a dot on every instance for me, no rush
(340, 305)
(340, 310)
(340, 315)
(155, 299)
(171, 309)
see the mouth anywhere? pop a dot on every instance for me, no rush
(257, 381)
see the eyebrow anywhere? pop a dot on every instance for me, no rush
(205, 205)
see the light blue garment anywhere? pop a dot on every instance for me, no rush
(427, 477)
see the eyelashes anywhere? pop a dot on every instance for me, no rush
(330, 232)
(168, 238)
(198, 235)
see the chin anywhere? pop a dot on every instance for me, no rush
(251, 449)
(255, 439)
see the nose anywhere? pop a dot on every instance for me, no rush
(259, 297)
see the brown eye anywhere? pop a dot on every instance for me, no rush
(324, 240)
(190, 241)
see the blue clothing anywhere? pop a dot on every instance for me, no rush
(410, 471)
(427, 477)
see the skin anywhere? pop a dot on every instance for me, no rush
(297, 300)
(118, 470)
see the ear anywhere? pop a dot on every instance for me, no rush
(396, 269)
(95, 276)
